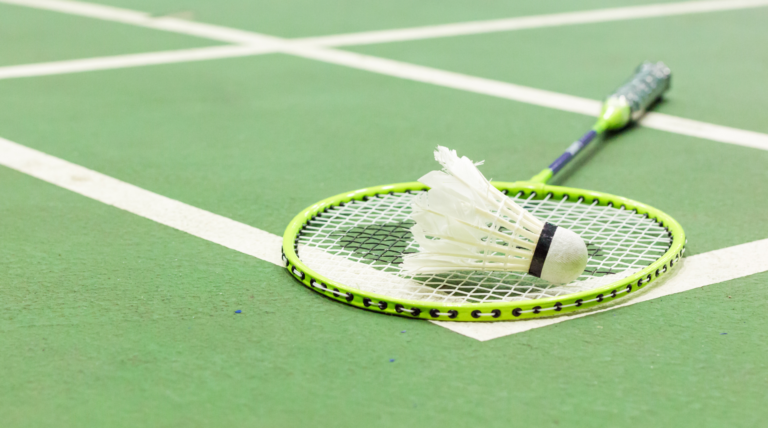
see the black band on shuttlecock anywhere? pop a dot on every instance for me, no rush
(542, 249)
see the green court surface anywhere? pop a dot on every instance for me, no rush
(307, 18)
(38, 36)
(111, 319)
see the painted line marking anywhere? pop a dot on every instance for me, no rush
(708, 131)
(529, 22)
(143, 19)
(693, 272)
(231, 35)
(265, 44)
(126, 61)
(696, 271)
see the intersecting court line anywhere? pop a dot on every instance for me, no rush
(692, 272)
(265, 44)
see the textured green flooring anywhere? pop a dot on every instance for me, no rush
(109, 319)
(30, 36)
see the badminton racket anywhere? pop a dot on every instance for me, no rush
(350, 247)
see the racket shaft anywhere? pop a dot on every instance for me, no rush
(572, 150)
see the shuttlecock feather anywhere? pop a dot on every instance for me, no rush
(464, 223)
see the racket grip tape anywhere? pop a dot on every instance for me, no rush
(632, 99)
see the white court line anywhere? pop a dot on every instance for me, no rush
(447, 79)
(385, 66)
(697, 271)
(133, 60)
(708, 131)
(693, 272)
(529, 22)
(178, 215)
(225, 34)
(143, 19)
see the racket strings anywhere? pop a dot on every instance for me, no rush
(363, 242)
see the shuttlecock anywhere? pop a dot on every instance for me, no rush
(464, 223)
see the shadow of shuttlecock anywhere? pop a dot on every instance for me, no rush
(378, 243)
(383, 245)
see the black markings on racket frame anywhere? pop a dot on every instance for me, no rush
(542, 249)
(387, 241)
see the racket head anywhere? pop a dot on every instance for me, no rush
(334, 212)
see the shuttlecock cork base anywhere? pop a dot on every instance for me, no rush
(465, 223)
(560, 255)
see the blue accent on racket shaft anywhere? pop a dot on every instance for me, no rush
(572, 151)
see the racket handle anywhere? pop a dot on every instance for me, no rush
(627, 103)
(632, 99)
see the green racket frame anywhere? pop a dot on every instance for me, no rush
(500, 310)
